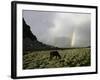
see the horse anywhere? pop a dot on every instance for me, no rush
(55, 54)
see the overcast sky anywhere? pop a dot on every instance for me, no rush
(60, 29)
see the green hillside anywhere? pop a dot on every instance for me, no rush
(69, 58)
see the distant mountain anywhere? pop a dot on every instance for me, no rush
(30, 42)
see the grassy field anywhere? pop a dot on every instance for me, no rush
(69, 58)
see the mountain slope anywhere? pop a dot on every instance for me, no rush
(30, 42)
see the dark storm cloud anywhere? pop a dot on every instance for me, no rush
(60, 29)
(83, 35)
(40, 22)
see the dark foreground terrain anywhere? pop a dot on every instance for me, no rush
(69, 58)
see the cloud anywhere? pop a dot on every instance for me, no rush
(57, 28)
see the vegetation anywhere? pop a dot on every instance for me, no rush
(69, 58)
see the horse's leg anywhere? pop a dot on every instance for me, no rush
(51, 56)
(59, 56)
(56, 56)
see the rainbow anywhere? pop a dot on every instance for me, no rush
(73, 39)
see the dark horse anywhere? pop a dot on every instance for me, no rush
(55, 54)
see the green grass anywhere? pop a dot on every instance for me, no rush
(69, 58)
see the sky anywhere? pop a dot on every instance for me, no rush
(60, 29)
